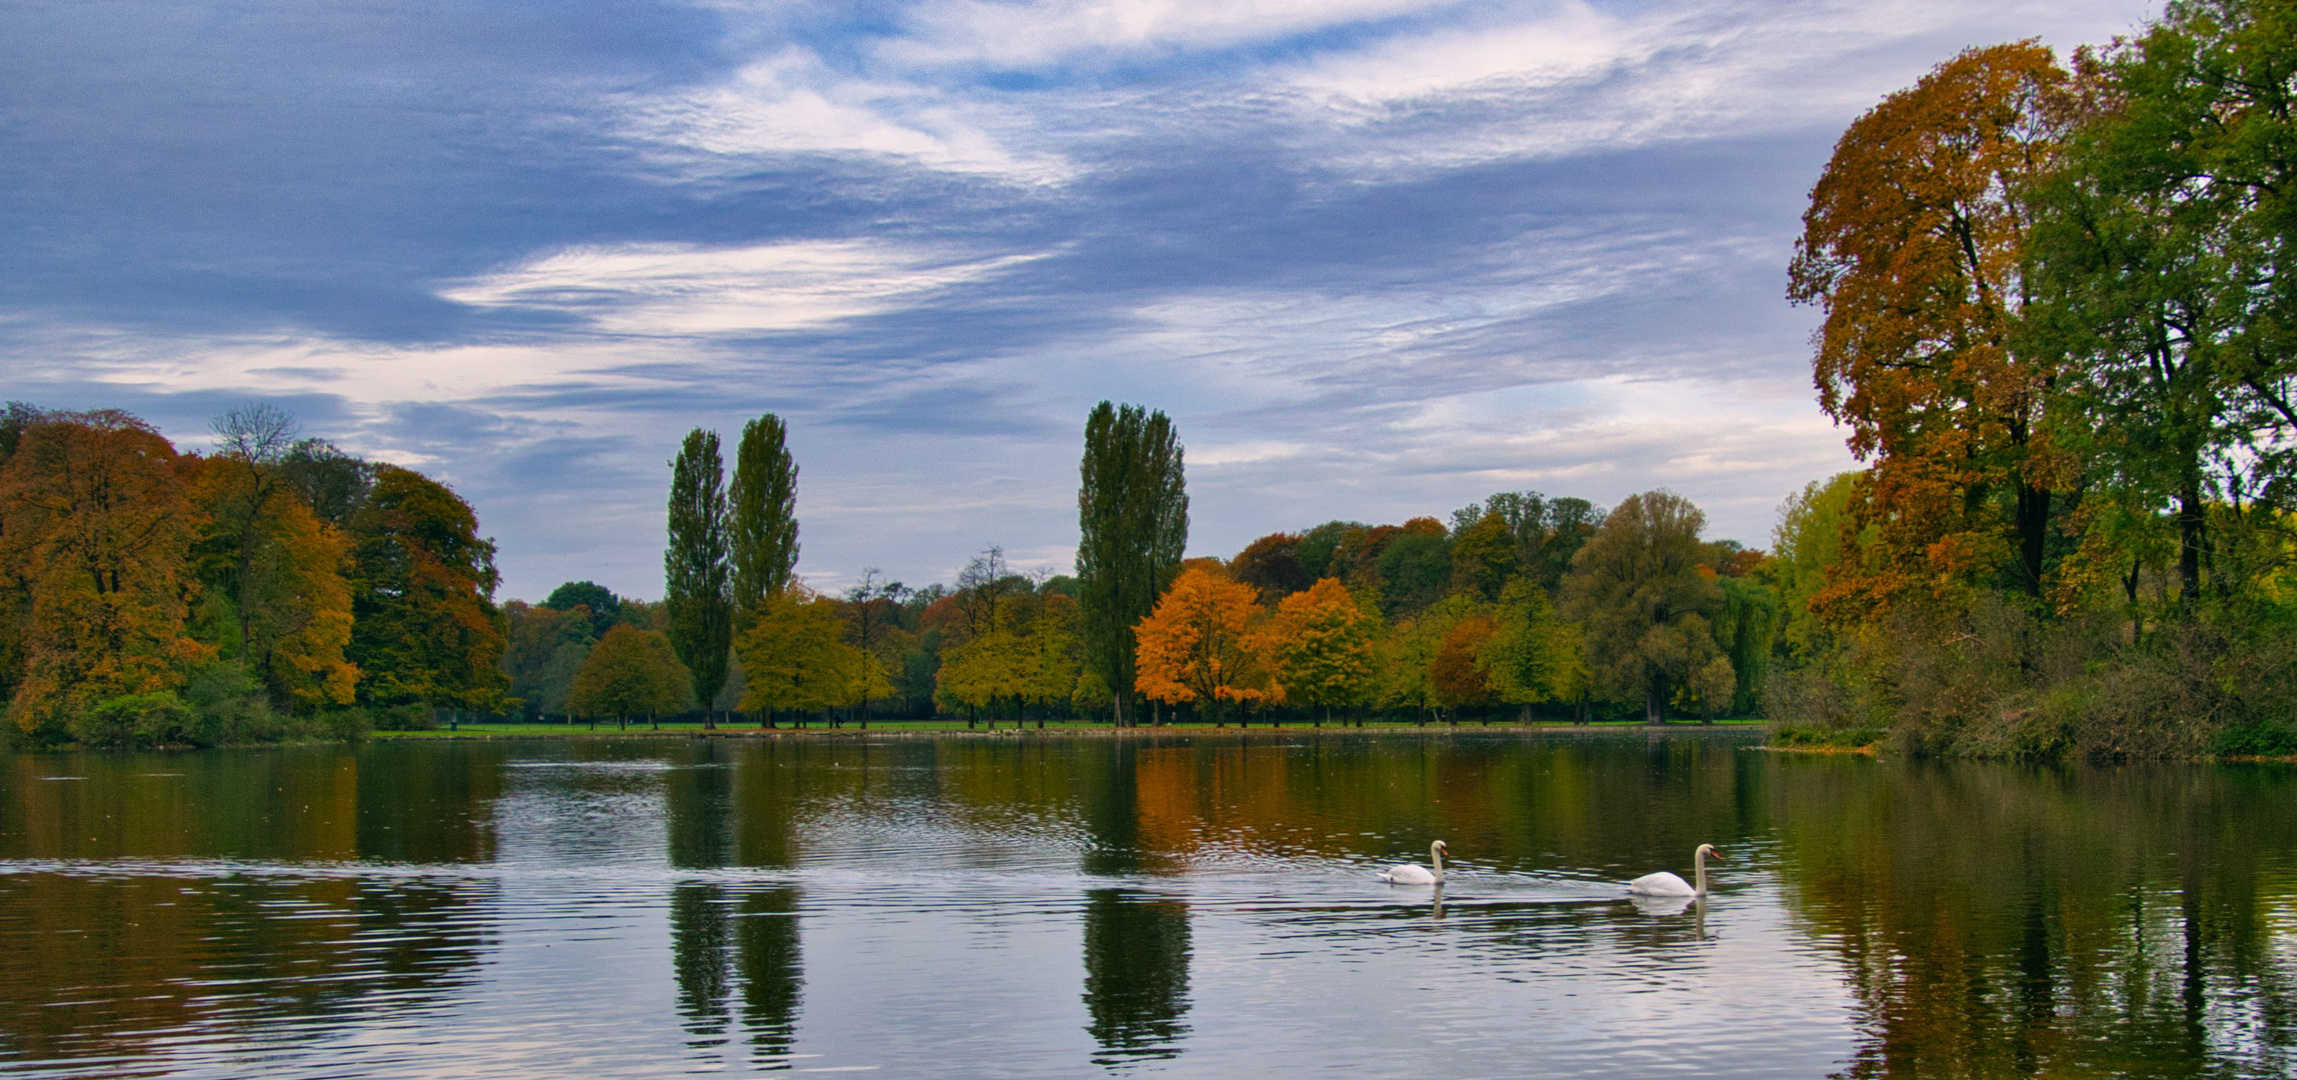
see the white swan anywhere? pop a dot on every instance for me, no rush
(1666, 884)
(1414, 873)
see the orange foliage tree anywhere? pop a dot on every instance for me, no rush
(1199, 645)
(1456, 672)
(95, 531)
(1913, 246)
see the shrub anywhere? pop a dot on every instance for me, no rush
(415, 717)
(137, 720)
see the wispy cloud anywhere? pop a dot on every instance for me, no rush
(1377, 257)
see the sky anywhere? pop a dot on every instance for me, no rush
(1376, 258)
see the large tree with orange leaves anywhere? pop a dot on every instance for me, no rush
(1913, 245)
(1199, 645)
(94, 537)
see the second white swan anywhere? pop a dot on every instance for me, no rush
(1666, 884)
(1414, 873)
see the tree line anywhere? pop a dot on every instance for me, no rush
(1516, 602)
(2060, 326)
(276, 587)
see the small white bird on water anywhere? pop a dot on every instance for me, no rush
(1666, 884)
(1414, 873)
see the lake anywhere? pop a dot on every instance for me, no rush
(1183, 905)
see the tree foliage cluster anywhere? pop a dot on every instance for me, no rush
(2060, 326)
(276, 587)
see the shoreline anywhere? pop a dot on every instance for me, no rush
(1098, 731)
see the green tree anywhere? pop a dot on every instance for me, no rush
(1644, 591)
(631, 672)
(1485, 558)
(764, 523)
(1132, 518)
(1532, 656)
(547, 647)
(600, 606)
(424, 624)
(2164, 264)
(696, 587)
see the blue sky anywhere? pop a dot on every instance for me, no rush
(1377, 258)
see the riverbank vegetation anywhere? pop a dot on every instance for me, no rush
(2061, 328)
(276, 588)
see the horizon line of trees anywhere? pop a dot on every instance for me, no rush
(1519, 601)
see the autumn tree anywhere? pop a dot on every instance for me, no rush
(424, 624)
(795, 658)
(1272, 565)
(1456, 673)
(273, 565)
(1322, 644)
(1198, 645)
(696, 586)
(95, 535)
(1644, 592)
(1914, 246)
(631, 672)
(1132, 520)
(762, 515)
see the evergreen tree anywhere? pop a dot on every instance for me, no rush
(764, 522)
(694, 570)
(1132, 517)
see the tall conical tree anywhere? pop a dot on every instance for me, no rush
(764, 521)
(1132, 517)
(695, 585)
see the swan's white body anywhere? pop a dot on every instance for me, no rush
(1666, 884)
(1414, 873)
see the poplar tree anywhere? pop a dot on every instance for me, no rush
(1132, 518)
(764, 522)
(695, 584)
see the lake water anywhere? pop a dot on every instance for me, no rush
(1179, 905)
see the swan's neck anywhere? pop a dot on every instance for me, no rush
(1436, 856)
(1699, 870)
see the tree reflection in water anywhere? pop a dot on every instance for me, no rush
(1136, 975)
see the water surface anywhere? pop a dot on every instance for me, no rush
(1179, 905)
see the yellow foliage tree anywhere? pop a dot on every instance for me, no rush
(1200, 645)
(280, 571)
(794, 657)
(1324, 647)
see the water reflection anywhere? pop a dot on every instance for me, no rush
(431, 909)
(1136, 975)
(105, 970)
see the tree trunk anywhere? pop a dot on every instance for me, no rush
(2033, 530)
(2191, 526)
